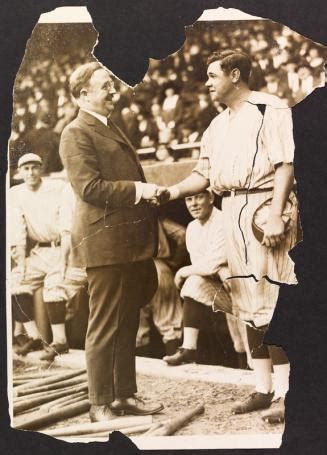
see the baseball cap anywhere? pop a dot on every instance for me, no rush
(29, 158)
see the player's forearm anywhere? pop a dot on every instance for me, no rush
(202, 268)
(283, 182)
(193, 184)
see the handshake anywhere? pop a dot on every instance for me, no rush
(155, 195)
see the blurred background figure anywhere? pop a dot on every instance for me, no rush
(165, 309)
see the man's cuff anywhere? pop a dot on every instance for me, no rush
(138, 191)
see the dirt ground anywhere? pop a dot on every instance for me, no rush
(178, 396)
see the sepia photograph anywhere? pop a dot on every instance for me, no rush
(149, 231)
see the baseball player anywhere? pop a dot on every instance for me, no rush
(204, 281)
(40, 216)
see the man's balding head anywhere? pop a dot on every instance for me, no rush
(80, 78)
(93, 88)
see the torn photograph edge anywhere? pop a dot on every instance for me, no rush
(178, 441)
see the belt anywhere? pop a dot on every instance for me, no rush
(236, 192)
(49, 244)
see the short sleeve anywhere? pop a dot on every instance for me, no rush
(278, 135)
(203, 165)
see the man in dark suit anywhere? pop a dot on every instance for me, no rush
(114, 236)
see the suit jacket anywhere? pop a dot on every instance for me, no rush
(108, 228)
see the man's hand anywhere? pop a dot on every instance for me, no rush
(149, 191)
(274, 231)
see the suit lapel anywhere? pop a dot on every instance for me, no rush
(112, 132)
(115, 128)
(99, 126)
(112, 126)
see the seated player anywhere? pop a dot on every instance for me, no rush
(40, 213)
(204, 281)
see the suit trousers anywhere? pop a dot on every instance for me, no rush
(117, 292)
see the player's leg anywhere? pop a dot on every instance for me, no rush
(167, 310)
(22, 290)
(262, 397)
(57, 291)
(281, 366)
(193, 312)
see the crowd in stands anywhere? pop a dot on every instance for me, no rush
(171, 105)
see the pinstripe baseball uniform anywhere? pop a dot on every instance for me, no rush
(240, 152)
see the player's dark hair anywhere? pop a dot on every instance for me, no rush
(230, 59)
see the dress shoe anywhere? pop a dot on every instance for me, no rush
(53, 350)
(100, 413)
(181, 356)
(32, 344)
(254, 402)
(134, 406)
(276, 413)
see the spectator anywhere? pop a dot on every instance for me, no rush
(172, 106)
(44, 141)
(307, 81)
(277, 85)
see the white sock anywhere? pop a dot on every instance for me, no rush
(18, 329)
(58, 333)
(31, 329)
(281, 379)
(190, 340)
(262, 373)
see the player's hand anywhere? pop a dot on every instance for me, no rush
(162, 195)
(274, 231)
